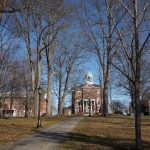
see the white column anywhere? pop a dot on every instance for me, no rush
(83, 106)
(94, 106)
(91, 106)
(75, 105)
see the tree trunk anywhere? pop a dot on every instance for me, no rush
(62, 98)
(106, 84)
(106, 87)
(101, 100)
(49, 55)
(137, 81)
(131, 90)
(105, 98)
(26, 106)
(61, 106)
(106, 75)
(38, 79)
(137, 116)
(2, 6)
(11, 103)
(133, 103)
(49, 93)
(36, 99)
(32, 68)
(59, 96)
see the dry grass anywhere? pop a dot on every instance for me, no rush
(14, 128)
(114, 132)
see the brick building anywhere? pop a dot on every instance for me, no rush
(86, 98)
(67, 111)
(15, 107)
(18, 106)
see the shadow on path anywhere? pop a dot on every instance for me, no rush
(50, 138)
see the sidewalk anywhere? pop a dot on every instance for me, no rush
(47, 139)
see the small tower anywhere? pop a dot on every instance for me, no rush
(89, 78)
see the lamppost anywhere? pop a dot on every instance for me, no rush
(39, 125)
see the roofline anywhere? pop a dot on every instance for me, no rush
(95, 86)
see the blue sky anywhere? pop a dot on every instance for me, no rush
(117, 93)
(90, 65)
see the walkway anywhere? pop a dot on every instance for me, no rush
(47, 139)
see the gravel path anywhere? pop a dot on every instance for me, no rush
(47, 139)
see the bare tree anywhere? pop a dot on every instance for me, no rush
(40, 22)
(127, 86)
(98, 29)
(118, 107)
(68, 58)
(12, 83)
(56, 21)
(2, 6)
(9, 7)
(26, 86)
(8, 49)
(17, 86)
(30, 26)
(134, 46)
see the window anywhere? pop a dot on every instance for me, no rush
(78, 103)
(88, 93)
(99, 102)
(79, 93)
(89, 78)
(98, 93)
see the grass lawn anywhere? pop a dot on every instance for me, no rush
(12, 129)
(114, 132)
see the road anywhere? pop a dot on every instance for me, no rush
(47, 139)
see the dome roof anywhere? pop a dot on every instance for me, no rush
(89, 77)
(89, 73)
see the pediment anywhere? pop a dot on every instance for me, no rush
(89, 86)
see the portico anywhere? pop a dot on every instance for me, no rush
(85, 105)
